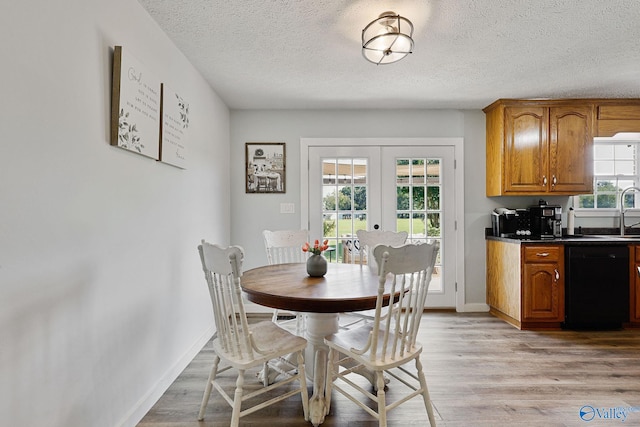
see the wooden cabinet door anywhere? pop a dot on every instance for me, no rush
(541, 292)
(571, 149)
(526, 149)
(543, 283)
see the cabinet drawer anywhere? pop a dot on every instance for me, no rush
(542, 253)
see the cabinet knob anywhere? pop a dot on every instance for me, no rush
(544, 180)
(557, 274)
(542, 254)
(553, 181)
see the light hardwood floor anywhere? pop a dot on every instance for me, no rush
(481, 372)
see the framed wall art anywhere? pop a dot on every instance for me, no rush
(135, 106)
(173, 128)
(265, 167)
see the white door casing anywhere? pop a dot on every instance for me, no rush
(381, 191)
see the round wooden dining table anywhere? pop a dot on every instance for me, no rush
(345, 288)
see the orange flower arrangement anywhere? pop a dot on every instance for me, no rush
(317, 249)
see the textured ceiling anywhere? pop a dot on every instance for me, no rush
(292, 54)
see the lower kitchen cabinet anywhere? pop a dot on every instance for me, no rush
(525, 284)
(543, 284)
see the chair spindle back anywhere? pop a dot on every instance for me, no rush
(285, 246)
(408, 268)
(370, 239)
(222, 269)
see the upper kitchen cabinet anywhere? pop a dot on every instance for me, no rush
(539, 147)
(619, 115)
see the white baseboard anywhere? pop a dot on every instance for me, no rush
(476, 307)
(155, 393)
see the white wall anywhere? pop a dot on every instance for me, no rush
(260, 211)
(102, 297)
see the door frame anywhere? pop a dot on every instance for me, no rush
(456, 142)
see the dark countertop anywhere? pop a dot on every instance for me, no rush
(591, 237)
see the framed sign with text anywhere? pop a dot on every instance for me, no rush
(174, 126)
(135, 106)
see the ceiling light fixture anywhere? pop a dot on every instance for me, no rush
(387, 39)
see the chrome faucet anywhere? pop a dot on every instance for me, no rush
(625, 191)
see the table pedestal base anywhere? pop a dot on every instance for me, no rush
(319, 325)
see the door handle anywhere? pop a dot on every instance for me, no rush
(376, 226)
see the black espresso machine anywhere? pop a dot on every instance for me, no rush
(512, 223)
(546, 220)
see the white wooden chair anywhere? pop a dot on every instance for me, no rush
(242, 346)
(370, 239)
(389, 343)
(367, 240)
(283, 247)
(350, 249)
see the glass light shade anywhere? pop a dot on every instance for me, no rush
(387, 39)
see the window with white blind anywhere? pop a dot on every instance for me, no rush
(615, 168)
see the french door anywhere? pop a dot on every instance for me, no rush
(395, 188)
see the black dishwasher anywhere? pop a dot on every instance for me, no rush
(596, 287)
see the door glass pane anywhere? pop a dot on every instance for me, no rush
(402, 198)
(360, 198)
(417, 224)
(344, 191)
(418, 171)
(418, 198)
(344, 198)
(402, 171)
(419, 205)
(433, 224)
(328, 198)
(434, 171)
(329, 171)
(433, 197)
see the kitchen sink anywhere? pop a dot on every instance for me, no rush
(615, 236)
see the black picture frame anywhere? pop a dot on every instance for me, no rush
(265, 167)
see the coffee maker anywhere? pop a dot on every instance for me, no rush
(546, 220)
(512, 223)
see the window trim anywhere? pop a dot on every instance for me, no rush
(618, 139)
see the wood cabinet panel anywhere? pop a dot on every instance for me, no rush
(542, 253)
(571, 149)
(503, 277)
(613, 116)
(543, 283)
(525, 284)
(619, 112)
(494, 154)
(539, 147)
(526, 149)
(541, 292)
